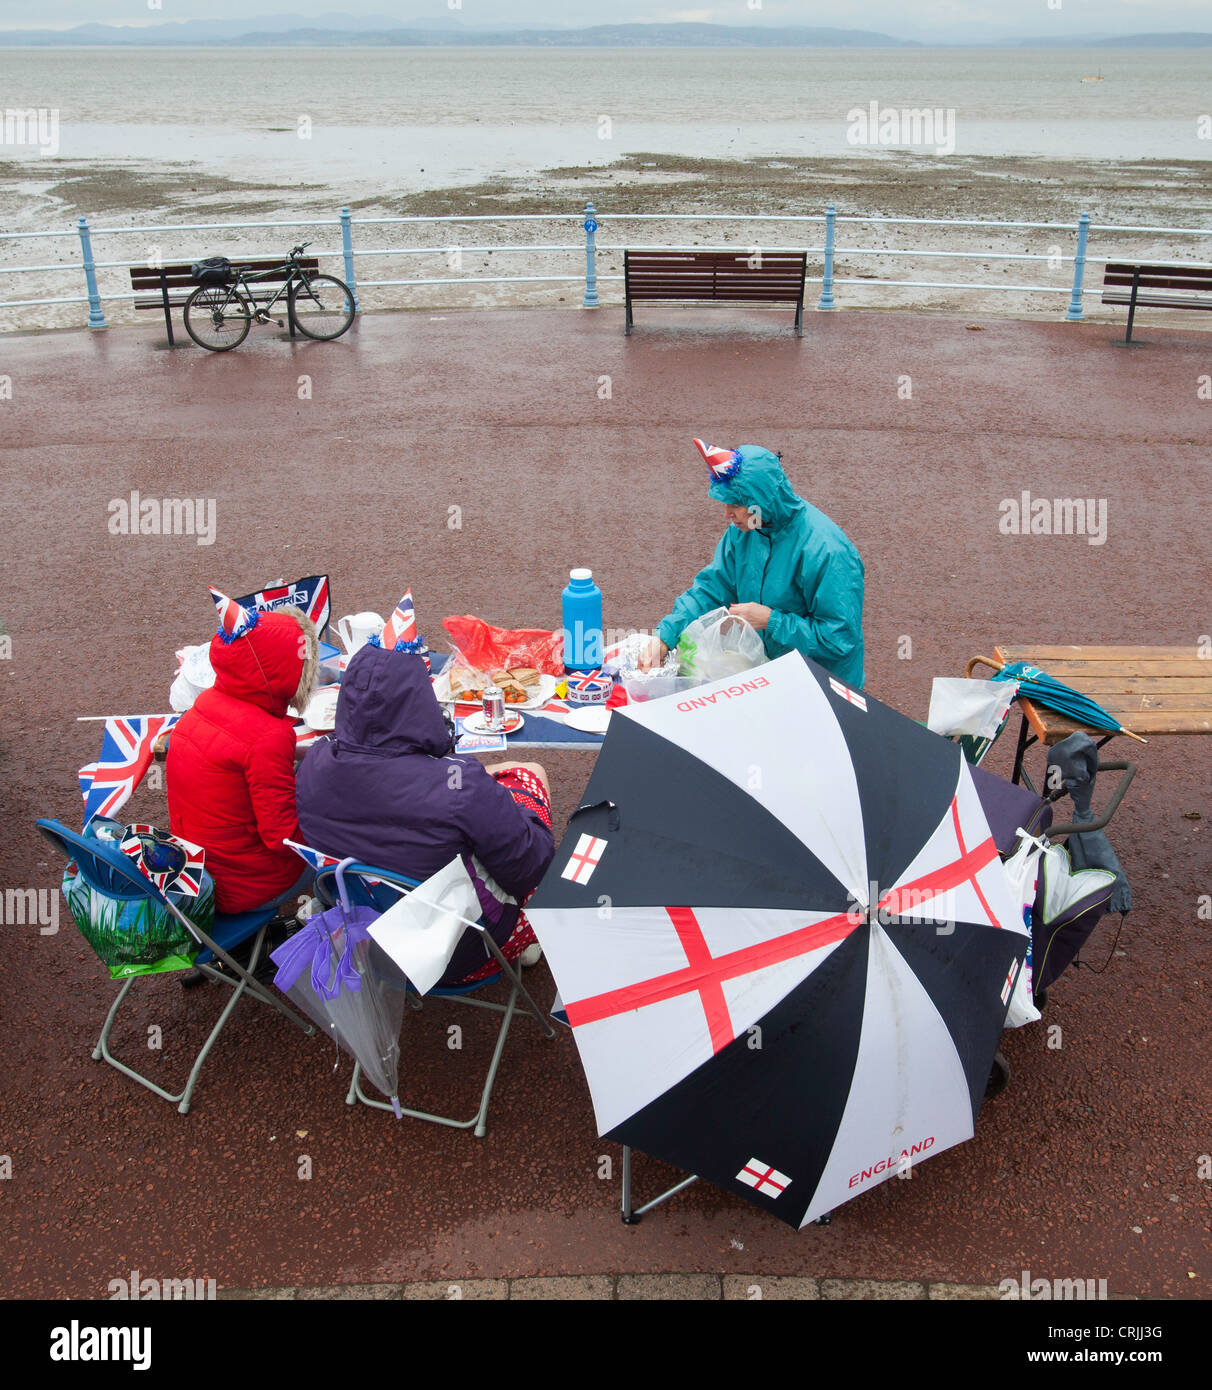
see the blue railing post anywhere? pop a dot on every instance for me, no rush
(826, 300)
(96, 317)
(591, 300)
(1079, 270)
(347, 247)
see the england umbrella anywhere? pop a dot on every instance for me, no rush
(783, 937)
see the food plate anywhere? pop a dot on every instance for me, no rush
(321, 711)
(544, 692)
(474, 723)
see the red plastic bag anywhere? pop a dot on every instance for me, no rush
(486, 648)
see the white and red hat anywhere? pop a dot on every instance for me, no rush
(724, 464)
(234, 619)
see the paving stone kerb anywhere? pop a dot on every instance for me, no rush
(630, 1288)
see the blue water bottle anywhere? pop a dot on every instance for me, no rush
(583, 645)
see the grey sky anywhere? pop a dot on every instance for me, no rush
(975, 19)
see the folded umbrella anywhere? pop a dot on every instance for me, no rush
(348, 986)
(1043, 689)
(783, 937)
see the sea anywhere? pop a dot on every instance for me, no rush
(408, 119)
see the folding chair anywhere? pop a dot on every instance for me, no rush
(380, 888)
(107, 870)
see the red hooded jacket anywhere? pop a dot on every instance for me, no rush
(231, 765)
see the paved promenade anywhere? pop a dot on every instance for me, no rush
(476, 457)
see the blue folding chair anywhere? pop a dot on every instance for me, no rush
(107, 870)
(380, 889)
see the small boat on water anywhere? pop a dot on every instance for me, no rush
(1099, 78)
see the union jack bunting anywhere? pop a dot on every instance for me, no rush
(311, 595)
(126, 754)
(724, 464)
(187, 880)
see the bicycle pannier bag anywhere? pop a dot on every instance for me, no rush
(214, 270)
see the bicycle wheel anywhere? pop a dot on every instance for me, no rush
(324, 307)
(217, 318)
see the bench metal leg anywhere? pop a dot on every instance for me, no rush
(799, 317)
(627, 325)
(1127, 339)
(168, 310)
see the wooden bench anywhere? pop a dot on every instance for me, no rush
(1165, 286)
(173, 285)
(770, 277)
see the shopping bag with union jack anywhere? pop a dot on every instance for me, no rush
(782, 932)
(310, 594)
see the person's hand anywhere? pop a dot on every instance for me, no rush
(757, 615)
(653, 654)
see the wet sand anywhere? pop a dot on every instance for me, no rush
(1149, 193)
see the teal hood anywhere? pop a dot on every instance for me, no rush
(796, 562)
(760, 483)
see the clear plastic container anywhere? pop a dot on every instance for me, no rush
(655, 685)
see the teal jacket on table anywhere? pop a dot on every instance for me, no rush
(797, 562)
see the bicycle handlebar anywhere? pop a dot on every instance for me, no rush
(298, 250)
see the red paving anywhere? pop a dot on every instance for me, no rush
(1085, 1167)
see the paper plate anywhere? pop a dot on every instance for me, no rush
(590, 719)
(321, 711)
(474, 723)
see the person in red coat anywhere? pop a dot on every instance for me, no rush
(231, 757)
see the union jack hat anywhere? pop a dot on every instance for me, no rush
(234, 620)
(400, 631)
(724, 464)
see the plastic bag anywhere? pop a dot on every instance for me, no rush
(485, 648)
(194, 675)
(971, 712)
(719, 645)
(133, 935)
(1022, 872)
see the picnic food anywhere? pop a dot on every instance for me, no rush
(517, 683)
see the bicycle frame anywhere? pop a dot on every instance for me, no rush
(245, 282)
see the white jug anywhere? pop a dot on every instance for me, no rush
(356, 629)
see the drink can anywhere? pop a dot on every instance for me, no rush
(494, 708)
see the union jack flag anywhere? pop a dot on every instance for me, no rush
(315, 857)
(311, 595)
(126, 754)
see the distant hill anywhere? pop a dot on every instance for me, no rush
(341, 30)
(1124, 41)
(311, 33)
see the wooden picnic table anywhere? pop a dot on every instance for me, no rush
(1150, 690)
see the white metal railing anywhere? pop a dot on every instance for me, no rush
(83, 260)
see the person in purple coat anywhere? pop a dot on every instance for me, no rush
(386, 787)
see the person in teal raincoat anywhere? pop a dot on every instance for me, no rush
(782, 565)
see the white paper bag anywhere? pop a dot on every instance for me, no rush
(421, 931)
(959, 706)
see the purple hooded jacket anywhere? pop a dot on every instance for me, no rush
(386, 788)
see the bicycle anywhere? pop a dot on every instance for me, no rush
(218, 317)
